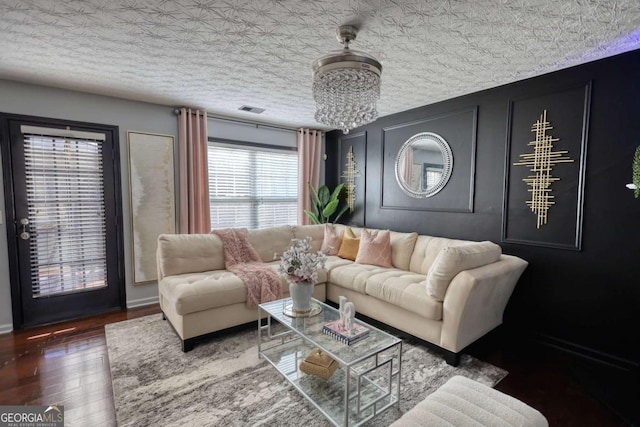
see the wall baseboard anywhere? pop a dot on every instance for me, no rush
(6, 328)
(587, 353)
(142, 302)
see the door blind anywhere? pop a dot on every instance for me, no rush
(252, 187)
(65, 196)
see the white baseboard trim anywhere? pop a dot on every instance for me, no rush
(6, 328)
(142, 302)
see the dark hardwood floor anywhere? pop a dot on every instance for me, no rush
(546, 379)
(67, 364)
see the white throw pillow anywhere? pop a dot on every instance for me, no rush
(402, 245)
(454, 259)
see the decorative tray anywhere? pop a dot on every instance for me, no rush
(288, 311)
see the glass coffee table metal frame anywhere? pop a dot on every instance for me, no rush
(367, 382)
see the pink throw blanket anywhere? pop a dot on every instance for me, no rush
(262, 282)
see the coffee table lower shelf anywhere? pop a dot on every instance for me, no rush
(372, 383)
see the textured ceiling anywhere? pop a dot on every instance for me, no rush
(222, 54)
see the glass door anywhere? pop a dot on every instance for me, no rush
(66, 212)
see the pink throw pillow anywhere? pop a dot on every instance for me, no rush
(332, 240)
(375, 248)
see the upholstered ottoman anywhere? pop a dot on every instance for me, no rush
(464, 402)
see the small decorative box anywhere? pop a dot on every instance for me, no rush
(319, 364)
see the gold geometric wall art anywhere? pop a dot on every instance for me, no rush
(540, 164)
(350, 174)
(531, 214)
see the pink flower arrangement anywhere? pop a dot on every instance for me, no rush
(299, 263)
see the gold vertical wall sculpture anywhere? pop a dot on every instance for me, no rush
(540, 163)
(350, 175)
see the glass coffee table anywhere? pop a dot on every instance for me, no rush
(367, 381)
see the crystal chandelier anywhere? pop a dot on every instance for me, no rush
(346, 85)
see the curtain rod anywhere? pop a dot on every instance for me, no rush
(245, 122)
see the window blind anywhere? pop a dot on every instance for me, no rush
(252, 187)
(65, 197)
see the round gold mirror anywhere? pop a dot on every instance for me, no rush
(424, 165)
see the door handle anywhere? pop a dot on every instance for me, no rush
(24, 235)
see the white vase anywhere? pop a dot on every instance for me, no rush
(301, 296)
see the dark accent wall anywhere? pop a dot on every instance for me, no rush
(585, 301)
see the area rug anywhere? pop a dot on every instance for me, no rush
(223, 382)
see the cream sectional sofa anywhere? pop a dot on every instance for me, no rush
(198, 296)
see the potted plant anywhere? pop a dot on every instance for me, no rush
(325, 203)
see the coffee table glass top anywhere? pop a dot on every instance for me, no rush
(311, 329)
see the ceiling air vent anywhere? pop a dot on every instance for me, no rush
(251, 109)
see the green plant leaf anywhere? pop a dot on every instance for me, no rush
(324, 196)
(315, 203)
(315, 207)
(313, 217)
(330, 208)
(314, 193)
(336, 192)
(344, 209)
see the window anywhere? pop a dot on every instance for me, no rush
(252, 187)
(432, 176)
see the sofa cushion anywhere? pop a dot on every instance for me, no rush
(426, 249)
(315, 231)
(454, 259)
(402, 245)
(334, 261)
(375, 248)
(270, 243)
(353, 276)
(349, 246)
(405, 290)
(201, 291)
(188, 253)
(332, 240)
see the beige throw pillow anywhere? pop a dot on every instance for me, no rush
(454, 259)
(375, 248)
(331, 241)
(402, 245)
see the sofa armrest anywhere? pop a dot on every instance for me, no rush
(476, 299)
(159, 264)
